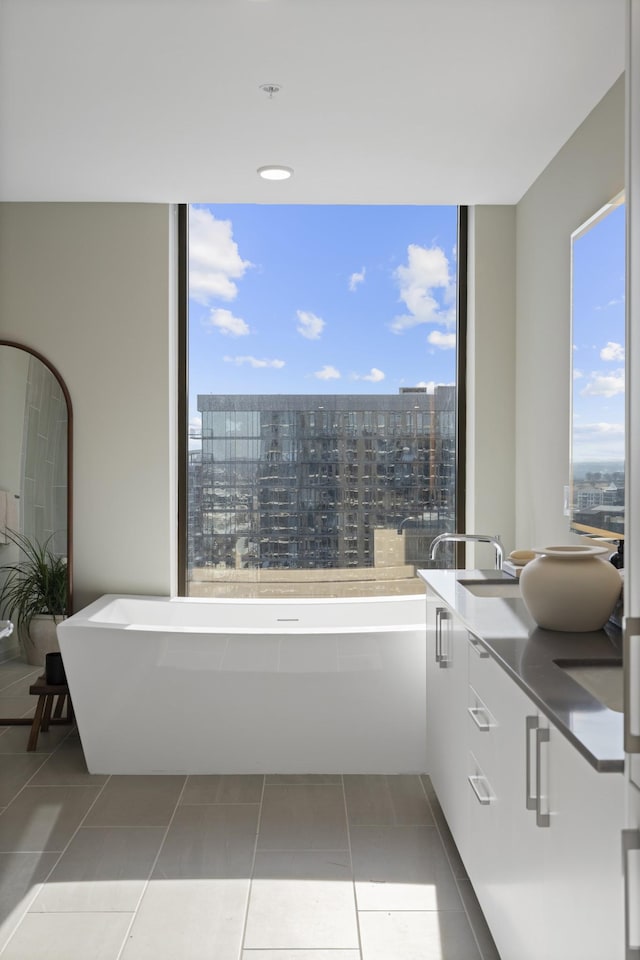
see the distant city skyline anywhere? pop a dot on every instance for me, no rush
(310, 299)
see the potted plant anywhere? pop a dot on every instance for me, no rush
(35, 595)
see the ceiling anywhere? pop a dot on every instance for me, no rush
(381, 101)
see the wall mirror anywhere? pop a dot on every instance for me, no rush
(596, 490)
(35, 453)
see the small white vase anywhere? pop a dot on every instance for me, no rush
(570, 588)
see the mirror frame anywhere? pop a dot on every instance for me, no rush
(65, 391)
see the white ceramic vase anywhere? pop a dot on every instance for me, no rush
(570, 588)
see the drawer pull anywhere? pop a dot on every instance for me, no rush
(478, 648)
(476, 713)
(482, 796)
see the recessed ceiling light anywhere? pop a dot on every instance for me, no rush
(275, 172)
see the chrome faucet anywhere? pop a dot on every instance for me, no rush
(468, 538)
(406, 520)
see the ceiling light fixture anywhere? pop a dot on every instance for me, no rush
(271, 89)
(275, 172)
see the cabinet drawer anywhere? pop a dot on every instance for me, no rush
(481, 667)
(479, 782)
(481, 731)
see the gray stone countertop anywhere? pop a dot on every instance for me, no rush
(528, 654)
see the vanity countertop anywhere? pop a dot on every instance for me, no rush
(528, 654)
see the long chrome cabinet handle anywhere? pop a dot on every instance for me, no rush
(631, 866)
(475, 713)
(439, 612)
(483, 798)
(531, 723)
(542, 736)
(442, 616)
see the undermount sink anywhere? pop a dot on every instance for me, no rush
(492, 588)
(603, 680)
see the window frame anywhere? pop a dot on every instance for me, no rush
(183, 387)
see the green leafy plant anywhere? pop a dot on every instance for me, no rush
(34, 585)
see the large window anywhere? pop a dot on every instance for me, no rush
(322, 396)
(597, 489)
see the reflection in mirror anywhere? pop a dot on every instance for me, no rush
(35, 454)
(597, 494)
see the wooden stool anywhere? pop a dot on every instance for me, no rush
(46, 713)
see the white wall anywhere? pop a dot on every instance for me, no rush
(89, 286)
(490, 377)
(585, 174)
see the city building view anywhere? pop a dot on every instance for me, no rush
(319, 482)
(322, 368)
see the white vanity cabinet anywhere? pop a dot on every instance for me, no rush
(446, 714)
(538, 828)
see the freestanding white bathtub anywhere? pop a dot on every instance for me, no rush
(163, 685)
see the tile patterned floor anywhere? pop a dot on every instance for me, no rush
(220, 867)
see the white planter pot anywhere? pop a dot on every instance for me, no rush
(40, 639)
(570, 588)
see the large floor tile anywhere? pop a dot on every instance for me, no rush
(303, 817)
(67, 766)
(136, 801)
(301, 778)
(12, 704)
(15, 772)
(15, 739)
(209, 841)
(44, 818)
(416, 935)
(189, 920)
(20, 877)
(69, 936)
(402, 868)
(301, 955)
(386, 800)
(16, 676)
(223, 789)
(302, 900)
(103, 868)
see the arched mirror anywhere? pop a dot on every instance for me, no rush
(35, 454)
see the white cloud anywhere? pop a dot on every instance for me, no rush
(357, 278)
(214, 260)
(578, 374)
(601, 429)
(255, 362)
(327, 373)
(224, 321)
(310, 325)
(195, 426)
(598, 441)
(427, 270)
(445, 341)
(604, 385)
(612, 351)
(374, 375)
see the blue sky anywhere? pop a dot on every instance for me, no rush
(599, 339)
(320, 299)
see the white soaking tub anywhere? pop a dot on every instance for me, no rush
(162, 685)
